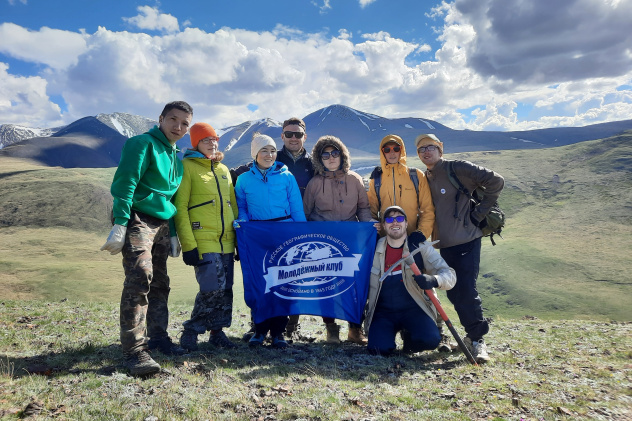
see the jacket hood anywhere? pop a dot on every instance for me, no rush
(398, 140)
(323, 142)
(277, 167)
(158, 134)
(192, 153)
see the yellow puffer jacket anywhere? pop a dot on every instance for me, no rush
(398, 189)
(206, 206)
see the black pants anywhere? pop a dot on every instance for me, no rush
(465, 260)
(276, 326)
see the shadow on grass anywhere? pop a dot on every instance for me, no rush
(343, 362)
(85, 359)
(337, 362)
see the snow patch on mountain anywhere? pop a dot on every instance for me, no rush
(427, 123)
(13, 133)
(128, 125)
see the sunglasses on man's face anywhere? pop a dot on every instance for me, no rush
(387, 149)
(333, 154)
(391, 219)
(298, 135)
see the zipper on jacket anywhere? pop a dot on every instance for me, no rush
(201, 204)
(221, 208)
(394, 192)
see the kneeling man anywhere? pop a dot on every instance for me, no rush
(399, 303)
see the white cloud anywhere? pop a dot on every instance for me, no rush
(23, 100)
(12, 2)
(287, 72)
(527, 41)
(150, 18)
(365, 3)
(52, 47)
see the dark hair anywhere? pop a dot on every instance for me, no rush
(294, 120)
(178, 105)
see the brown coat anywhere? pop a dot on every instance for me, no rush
(335, 195)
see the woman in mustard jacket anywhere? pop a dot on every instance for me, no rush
(206, 208)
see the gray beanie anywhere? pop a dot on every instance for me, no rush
(258, 142)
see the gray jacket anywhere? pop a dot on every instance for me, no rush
(451, 230)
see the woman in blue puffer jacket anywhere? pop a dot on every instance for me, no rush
(268, 192)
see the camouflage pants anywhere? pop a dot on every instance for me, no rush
(213, 308)
(146, 289)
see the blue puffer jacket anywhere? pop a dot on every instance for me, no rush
(271, 196)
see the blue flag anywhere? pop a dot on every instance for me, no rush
(317, 268)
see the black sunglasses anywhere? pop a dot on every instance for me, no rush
(298, 135)
(387, 149)
(334, 154)
(391, 219)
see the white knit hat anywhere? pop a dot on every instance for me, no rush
(259, 141)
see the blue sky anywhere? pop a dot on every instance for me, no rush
(468, 64)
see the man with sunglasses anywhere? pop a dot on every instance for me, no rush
(458, 228)
(297, 160)
(396, 303)
(293, 153)
(397, 188)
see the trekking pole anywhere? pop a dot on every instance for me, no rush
(411, 263)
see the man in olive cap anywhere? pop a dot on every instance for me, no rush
(458, 228)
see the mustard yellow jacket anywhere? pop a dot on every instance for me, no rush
(206, 206)
(398, 189)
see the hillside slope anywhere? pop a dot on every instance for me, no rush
(567, 251)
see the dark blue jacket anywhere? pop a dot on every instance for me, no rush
(301, 168)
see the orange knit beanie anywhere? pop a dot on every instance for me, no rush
(200, 131)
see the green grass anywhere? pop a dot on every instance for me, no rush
(567, 251)
(65, 356)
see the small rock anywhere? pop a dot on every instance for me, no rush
(563, 411)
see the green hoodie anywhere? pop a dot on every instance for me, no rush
(147, 177)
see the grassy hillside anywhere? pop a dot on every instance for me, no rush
(62, 360)
(567, 251)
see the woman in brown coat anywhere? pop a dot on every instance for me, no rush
(336, 193)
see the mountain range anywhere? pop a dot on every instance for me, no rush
(96, 142)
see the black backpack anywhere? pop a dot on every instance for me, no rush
(495, 218)
(376, 176)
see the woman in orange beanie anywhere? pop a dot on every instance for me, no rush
(206, 209)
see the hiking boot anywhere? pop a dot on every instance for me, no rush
(333, 333)
(256, 340)
(478, 350)
(220, 340)
(246, 337)
(279, 342)
(356, 336)
(445, 345)
(165, 346)
(141, 364)
(188, 340)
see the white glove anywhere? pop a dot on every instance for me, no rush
(175, 246)
(116, 239)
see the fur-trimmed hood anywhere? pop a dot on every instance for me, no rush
(323, 142)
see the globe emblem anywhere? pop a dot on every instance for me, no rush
(310, 252)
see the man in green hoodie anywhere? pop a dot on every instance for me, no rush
(146, 179)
